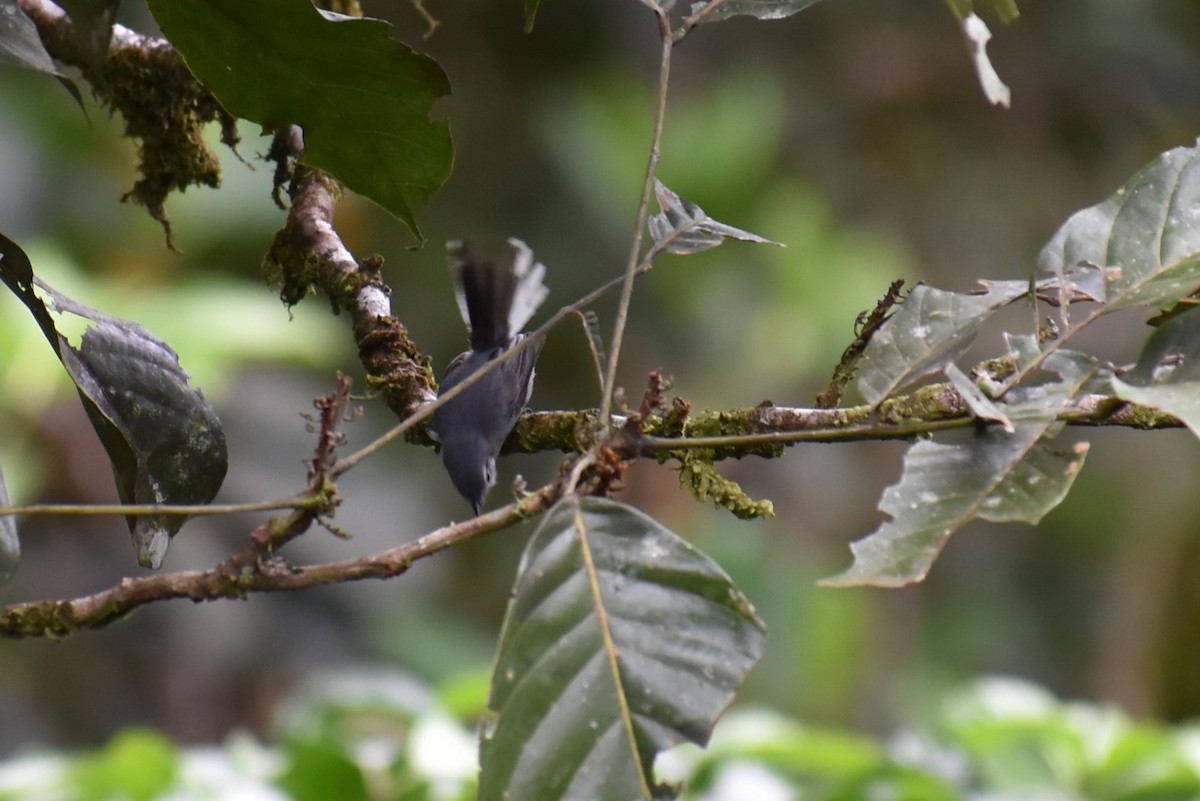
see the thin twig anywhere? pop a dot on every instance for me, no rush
(295, 502)
(631, 269)
(60, 618)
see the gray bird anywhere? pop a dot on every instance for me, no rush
(496, 297)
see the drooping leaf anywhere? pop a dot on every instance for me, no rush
(930, 329)
(620, 640)
(20, 45)
(91, 26)
(362, 99)
(164, 440)
(1167, 374)
(1146, 236)
(708, 11)
(10, 544)
(996, 476)
(683, 227)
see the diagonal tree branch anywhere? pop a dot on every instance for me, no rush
(237, 577)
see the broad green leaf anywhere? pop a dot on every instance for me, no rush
(10, 544)
(682, 227)
(620, 640)
(362, 99)
(164, 440)
(1146, 236)
(1167, 374)
(716, 10)
(996, 476)
(929, 330)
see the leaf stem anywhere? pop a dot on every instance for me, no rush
(296, 502)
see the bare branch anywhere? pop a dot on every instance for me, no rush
(245, 573)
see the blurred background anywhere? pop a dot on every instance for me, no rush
(855, 132)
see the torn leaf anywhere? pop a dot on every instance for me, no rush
(164, 440)
(994, 89)
(995, 476)
(682, 227)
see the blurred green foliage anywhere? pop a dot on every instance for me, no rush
(376, 736)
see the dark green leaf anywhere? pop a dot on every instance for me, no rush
(1146, 236)
(682, 227)
(164, 440)
(760, 9)
(996, 476)
(1167, 374)
(91, 26)
(10, 544)
(531, 9)
(362, 99)
(620, 640)
(929, 330)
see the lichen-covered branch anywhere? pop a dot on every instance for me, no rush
(308, 254)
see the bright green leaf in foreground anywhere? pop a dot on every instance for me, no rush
(362, 99)
(621, 639)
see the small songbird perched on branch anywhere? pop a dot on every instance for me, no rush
(497, 297)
